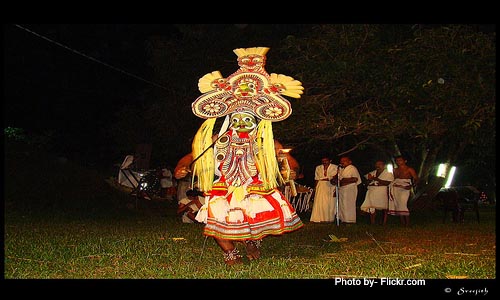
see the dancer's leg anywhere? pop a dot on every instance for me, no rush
(231, 254)
(252, 247)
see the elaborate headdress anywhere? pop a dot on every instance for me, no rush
(249, 89)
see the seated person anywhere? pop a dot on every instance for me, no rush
(189, 205)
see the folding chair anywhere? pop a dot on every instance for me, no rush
(135, 173)
(143, 183)
(302, 198)
(128, 177)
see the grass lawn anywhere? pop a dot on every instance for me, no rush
(67, 222)
(152, 242)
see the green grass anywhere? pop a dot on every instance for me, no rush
(63, 221)
(153, 243)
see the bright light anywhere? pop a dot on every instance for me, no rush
(450, 177)
(441, 172)
(285, 150)
(390, 168)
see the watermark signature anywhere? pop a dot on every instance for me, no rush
(469, 292)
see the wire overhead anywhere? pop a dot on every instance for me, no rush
(90, 57)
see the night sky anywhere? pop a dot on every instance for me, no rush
(49, 87)
(52, 90)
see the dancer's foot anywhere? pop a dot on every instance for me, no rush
(232, 257)
(253, 251)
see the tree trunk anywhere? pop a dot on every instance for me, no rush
(428, 165)
(425, 152)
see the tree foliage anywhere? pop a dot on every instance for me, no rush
(370, 89)
(430, 94)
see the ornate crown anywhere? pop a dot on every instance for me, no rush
(248, 51)
(250, 88)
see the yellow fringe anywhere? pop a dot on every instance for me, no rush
(204, 167)
(266, 157)
(238, 193)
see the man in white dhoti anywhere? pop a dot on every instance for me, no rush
(377, 192)
(399, 190)
(349, 179)
(324, 200)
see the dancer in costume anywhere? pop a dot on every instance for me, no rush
(237, 169)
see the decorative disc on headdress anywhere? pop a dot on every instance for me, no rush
(250, 88)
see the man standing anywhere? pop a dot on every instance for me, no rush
(349, 179)
(324, 200)
(377, 192)
(399, 190)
